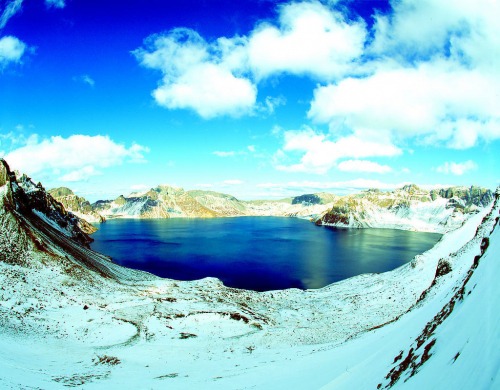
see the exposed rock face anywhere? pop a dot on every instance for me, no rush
(23, 198)
(409, 208)
(314, 199)
(79, 206)
(173, 202)
(4, 173)
(466, 196)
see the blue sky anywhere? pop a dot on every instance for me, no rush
(259, 99)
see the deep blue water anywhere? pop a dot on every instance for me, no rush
(257, 253)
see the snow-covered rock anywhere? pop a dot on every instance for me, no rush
(409, 208)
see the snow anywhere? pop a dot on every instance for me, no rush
(58, 320)
(52, 223)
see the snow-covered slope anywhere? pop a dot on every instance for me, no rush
(409, 208)
(69, 317)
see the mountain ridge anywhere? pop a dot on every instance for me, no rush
(409, 207)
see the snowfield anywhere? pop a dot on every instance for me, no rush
(71, 318)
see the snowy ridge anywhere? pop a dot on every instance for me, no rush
(69, 317)
(409, 208)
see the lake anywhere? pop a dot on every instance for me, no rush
(256, 253)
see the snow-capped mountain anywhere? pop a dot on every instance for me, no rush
(70, 317)
(408, 208)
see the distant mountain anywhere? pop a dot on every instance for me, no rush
(408, 208)
(172, 202)
(77, 205)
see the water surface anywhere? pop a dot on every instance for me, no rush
(257, 253)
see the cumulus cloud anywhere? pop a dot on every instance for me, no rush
(219, 77)
(197, 75)
(457, 169)
(363, 166)
(436, 83)
(459, 29)
(309, 38)
(77, 157)
(11, 50)
(437, 102)
(318, 153)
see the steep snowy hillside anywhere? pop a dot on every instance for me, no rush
(69, 317)
(409, 208)
(77, 205)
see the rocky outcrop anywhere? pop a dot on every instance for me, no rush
(408, 208)
(314, 199)
(79, 206)
(465, 196)
(173, 202)
(24, 198)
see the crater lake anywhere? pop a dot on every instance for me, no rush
(256, 253)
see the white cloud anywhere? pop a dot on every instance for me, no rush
(216, 78)
(437, 102)
(86, 79)
(458, 29)
(11, 8)
(317, 153)
(11, 50)
(196, 75)
(457, 169)
(55, 3)
(271, 103)
(209, 90)
(310, 39)
(435, 82)
(363, 166)
(74, 158)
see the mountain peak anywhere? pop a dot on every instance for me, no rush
(411, 188)
(61, 191)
